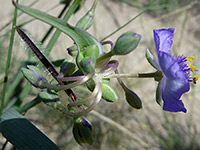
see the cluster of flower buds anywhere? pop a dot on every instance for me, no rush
(89, 66)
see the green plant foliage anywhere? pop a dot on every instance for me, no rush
(83, 40)
(22, 133)
(80, 80)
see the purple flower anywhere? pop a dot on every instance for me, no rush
(176, 71)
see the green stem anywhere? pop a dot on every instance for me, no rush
(94, 5)
(125, 24)
(144, 10)
(26, 89)
(137, 75)
(29, 105)
(131, 4)
(8, 60)
(107, 55)
(15, 83)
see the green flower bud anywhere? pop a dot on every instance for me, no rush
(34, 75)
(92, 50)
(126, 43)
(133, 99)
(87, 64)
(88, 19)
(108, 93)
(68, 67)
(51, 99)
(82, 131)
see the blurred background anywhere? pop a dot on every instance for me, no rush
(118, 126)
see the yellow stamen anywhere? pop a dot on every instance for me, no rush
(192, 68)
(195, 79)
(190, 59)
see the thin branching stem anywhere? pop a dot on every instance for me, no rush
(135, 75)
(125, 24)
(142, 12)
(68, 86)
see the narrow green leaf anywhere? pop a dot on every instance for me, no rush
(15, 84)
(22, 133)
(8, 61)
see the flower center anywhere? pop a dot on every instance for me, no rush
(187, 68)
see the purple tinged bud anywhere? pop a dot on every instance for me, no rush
(68, 67)
(86, 123)
(34, 75)
(126, 43)
(87, 64)
(136, 35)
(133, 99)
(82, 131)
